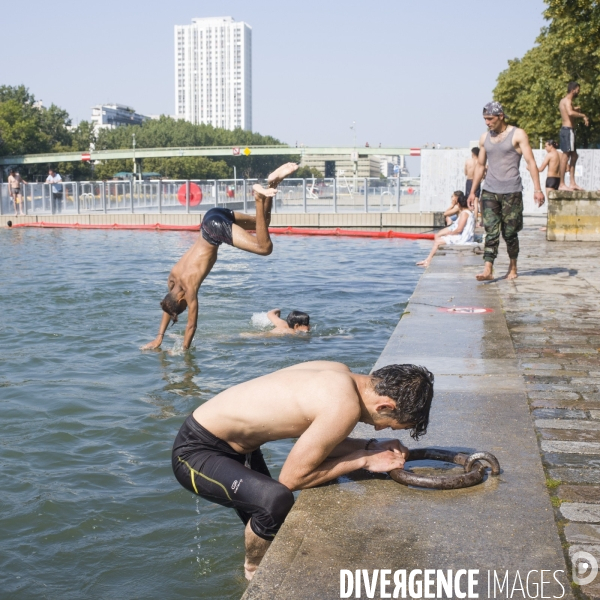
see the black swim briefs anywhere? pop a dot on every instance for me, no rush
(469, 186)
(216, 226)
(552, 182)
(211, 468)
(567, 139)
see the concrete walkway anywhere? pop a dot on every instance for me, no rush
(507, 524)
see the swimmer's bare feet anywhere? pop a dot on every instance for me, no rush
(487, 274)
(279, 174)
(423, 263)
(261, 193)
(565, 188)
(577, 188)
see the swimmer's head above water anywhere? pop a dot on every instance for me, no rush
(173, 306)
(411, 387)
(298, 321)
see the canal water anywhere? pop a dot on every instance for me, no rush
(89, 506)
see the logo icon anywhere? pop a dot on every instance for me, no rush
(585, 567)
(235, 486)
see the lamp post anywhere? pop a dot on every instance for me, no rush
(134, 162)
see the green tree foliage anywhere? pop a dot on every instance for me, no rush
(308, 172)
(568, 49)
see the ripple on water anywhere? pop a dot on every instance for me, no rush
(90, 506)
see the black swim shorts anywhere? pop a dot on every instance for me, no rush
(216, 226)
(552, 182)
(567, 139)
(211, 468)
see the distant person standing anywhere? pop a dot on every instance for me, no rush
(502, 197)
(57, 190)
(552, 161)
(568, 113)
(470, 165)
(15, 183)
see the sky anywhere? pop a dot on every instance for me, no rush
(406, 72)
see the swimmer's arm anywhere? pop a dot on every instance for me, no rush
(320, 365)
(192, 322)
(273, 316)
(161, 333)
(523, 144)
(309, 463)
(451, 211)
(353, 444)
(545, 163)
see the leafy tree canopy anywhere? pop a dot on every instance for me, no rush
(568, 49)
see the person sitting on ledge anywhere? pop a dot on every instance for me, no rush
(462, 231)
(219, 225)
(451, 214)
(217, 452)
(295, 322)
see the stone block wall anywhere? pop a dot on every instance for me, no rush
(574, 216)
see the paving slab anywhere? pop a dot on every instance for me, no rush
(506, 524)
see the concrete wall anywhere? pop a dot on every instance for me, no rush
(442, 172)
(369, 221)
(574, 216)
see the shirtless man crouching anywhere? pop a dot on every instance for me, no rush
(217, 453)
(219, 225)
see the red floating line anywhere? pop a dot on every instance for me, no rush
(275, 230)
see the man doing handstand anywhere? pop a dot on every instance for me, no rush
(217, 453)
(219, 225)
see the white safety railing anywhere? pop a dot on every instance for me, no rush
(339, 195)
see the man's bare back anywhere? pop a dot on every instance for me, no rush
(470, 165)
(282, 405)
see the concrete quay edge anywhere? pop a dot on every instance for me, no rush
(507, 524)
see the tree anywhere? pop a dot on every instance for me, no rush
(308, 172)
(568, 49)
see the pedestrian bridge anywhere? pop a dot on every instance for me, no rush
(137, 153)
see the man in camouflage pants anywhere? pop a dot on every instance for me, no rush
(502, 198)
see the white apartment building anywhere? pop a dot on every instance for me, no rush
(109, 116)
(213, 72)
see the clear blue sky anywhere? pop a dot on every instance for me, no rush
(407, 72)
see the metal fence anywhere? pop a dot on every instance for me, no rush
(341, 195)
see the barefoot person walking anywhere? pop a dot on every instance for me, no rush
(502, 197)
(568, 114)
(219, 225)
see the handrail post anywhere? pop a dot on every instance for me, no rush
(187, 196)
(25, 199)
(103, 192)
(366, 196)
(245, 197)
(304, 194)
(77, 205)
(335, 195)
(216, 192)
(398, 194)
(160, 190)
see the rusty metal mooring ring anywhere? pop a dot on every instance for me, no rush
(474, 470)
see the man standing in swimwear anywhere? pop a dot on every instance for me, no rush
(219, 225)
(552, 161)
(568, 113)
(14, 189)
(502, 199)
(217, 452)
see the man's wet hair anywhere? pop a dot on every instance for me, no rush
(475, 151)
(411, 387)
(572, 85)
(171, 306)
(297, 317)
(552, 143)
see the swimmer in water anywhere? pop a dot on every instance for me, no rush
(217, 452)
(295, 322)
(219, 225)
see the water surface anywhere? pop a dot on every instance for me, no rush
(89, 505)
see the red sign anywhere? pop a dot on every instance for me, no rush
(467, 310)
(236, 151)
(415, 151)
(86, 156)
